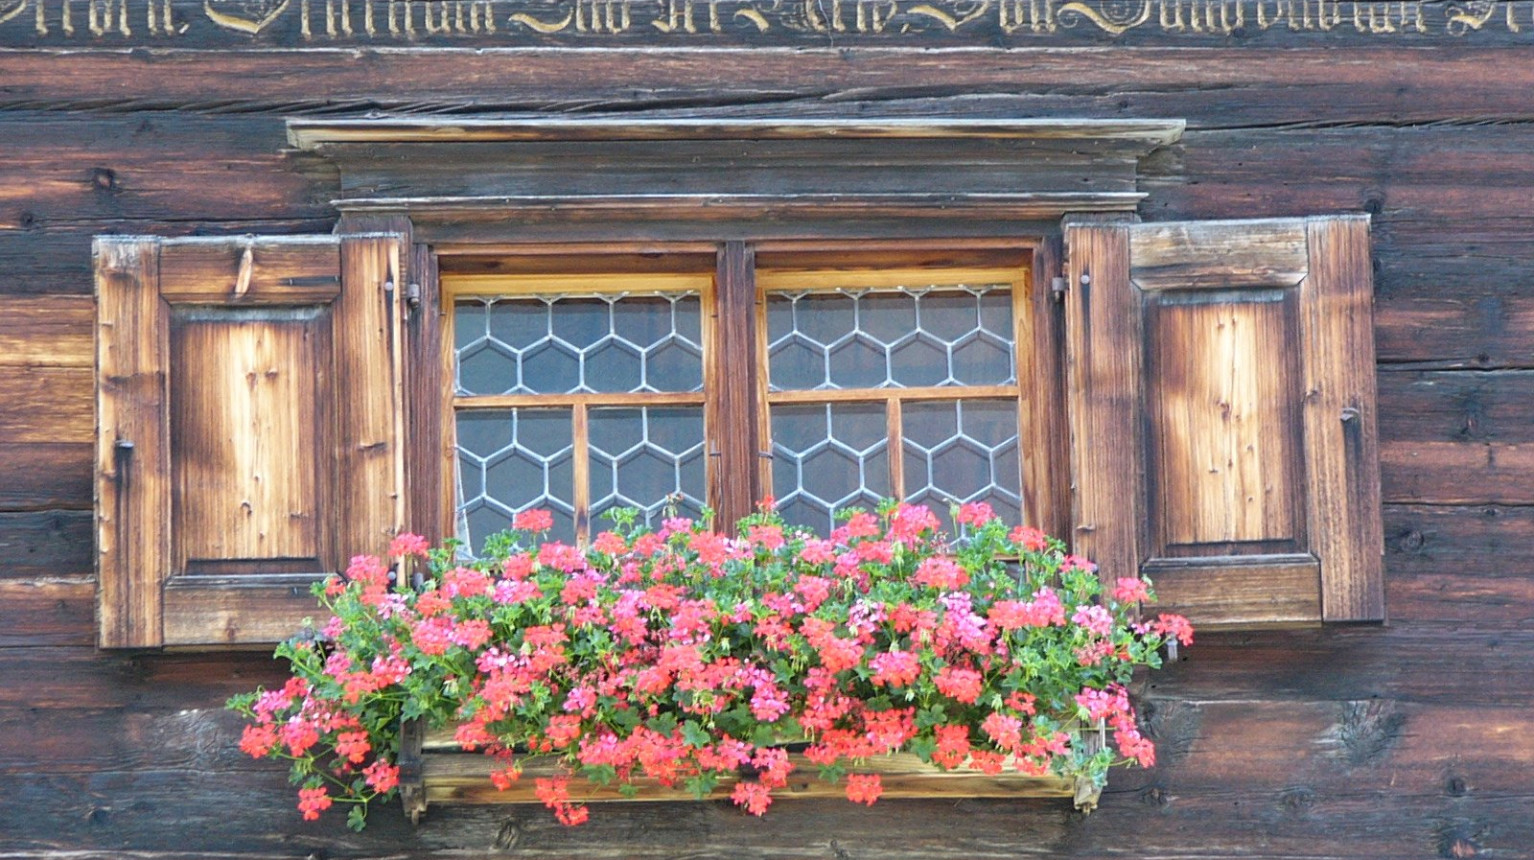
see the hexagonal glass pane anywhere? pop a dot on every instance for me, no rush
(484, 432)
(486, 368)
(613, 366)
(796, 364)
(518, 323)
(858, 363)
(887, 316)
(983, 359)
(780, 316)
(673, 366)
(565, 344)
(916, 328)
(642, 321)
(918, 362)
(948, 316)
(551, 368)
(581, 322)
(825, 317)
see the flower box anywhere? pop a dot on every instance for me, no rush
(436, 772)
(558, 674)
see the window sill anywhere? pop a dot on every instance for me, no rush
(435, 772)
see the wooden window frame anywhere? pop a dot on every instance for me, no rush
(737, 415)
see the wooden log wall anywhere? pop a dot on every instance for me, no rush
(1411, 740)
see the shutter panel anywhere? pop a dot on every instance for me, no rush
(249, 422)
(1221, 379)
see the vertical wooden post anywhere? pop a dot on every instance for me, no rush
(735, 481)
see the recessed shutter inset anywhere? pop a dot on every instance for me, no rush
(1222, 404)
(248, 408)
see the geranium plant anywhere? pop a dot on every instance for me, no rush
(684, 655)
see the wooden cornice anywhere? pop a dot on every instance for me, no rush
(816, 169)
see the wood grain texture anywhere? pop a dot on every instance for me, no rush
(238, 611)
(255, 271)
(1223, 430)
(39, 544)
(1217, 254)
(1219, 87)
(47, 331)
(44, 475)
(429, 509)
(133, 489)
(369, 458)
(452, 777)
(1272, 593)
(1043, 432)
(58, 404)
(736, 408)
(1456, 437)
(249, 395)
(1340, 420)
(48, 611)
(1103, 391)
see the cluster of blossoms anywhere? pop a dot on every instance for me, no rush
(684, 656)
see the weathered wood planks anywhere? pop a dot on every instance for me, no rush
(1383, 743)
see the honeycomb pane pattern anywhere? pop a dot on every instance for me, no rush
(510, 460)
(903, 337)
(962, 451)
(827, 457)
(649, 458)
(568, 344)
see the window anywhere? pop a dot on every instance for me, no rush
(873, 374)
(588, 314)
(578, 393)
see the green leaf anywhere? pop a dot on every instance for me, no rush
(357, 817)
(694, 734)
(599, 774)
(702, 785)
(664, 724)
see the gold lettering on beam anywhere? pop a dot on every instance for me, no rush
(748, 14)
(245, 16)
(1114, 17)
(874, 15)
(963, 13)
(1470, 15)
(541, 26)
(1387, 17)
(1037, 16)
(105, 17)
(677, 16)
(438, 23)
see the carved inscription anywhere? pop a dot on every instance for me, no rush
(809, 21)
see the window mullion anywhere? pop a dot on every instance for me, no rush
(580, 470)
(895, 446)
(733, 418)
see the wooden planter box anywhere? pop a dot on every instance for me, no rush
(434, 770)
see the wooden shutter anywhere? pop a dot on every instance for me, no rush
(1222, 398)
(248, 429)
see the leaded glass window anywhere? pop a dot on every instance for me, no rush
(830, 381)
(891, 383)
(579, 401)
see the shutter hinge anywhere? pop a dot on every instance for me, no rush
(413, 297)
(1058, 285)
